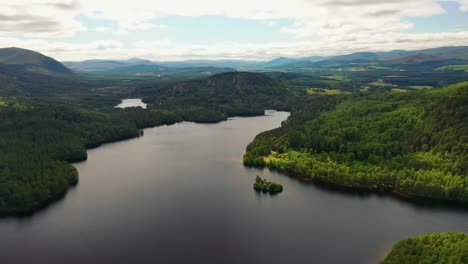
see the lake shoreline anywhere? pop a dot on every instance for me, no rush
(164, 193)
(402, 196)
(61, 195)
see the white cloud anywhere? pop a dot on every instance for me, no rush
(337, 26)
(463, 4)
(167, 50)
(36, 18)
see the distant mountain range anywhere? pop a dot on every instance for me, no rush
(107, 65)
(390, 57)
(22, 60)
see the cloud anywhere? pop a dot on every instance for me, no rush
(71, 5)
(168, 50)
(32, 18)
(318, 26)
(354, 3)
(463, 4)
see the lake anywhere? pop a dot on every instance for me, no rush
(180, 194)
(131, 103)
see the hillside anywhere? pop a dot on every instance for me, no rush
(413, 144)
(31, 61)
(40, 138)
(217, 97)
(416, 58)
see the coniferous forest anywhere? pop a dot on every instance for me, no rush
(430, 248)
(379, 132)
(413, 144)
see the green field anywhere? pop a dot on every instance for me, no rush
(463, 67)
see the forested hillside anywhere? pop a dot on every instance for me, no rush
(39, 138)
(414, 143)
(220, 96)
(31, 61)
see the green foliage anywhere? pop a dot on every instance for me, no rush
(218, 97)
(39, 139)
(263, 185)
(410, 143)
(438, 248)
(38, 142)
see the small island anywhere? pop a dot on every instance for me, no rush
(266, 186)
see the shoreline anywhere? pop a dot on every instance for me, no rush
(61, 195)
(402, 196)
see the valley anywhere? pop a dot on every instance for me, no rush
(361, 126)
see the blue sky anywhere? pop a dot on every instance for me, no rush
(196, 30)
(453, 20)
(226, 29)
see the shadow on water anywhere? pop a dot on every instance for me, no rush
(56, 201)
(414, 202)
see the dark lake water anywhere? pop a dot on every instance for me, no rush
(180, 194)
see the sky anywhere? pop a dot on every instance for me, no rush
(228, 29)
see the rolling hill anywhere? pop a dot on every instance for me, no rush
(31, 61)
(219, 96)
(106, 65)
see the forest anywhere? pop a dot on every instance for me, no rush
(413, 144)
(431, 249)
(39, 140)
(41, 135)
(349, 140)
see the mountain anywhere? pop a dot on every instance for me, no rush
(314, 58)
(415, 59)
(415, 56)
(209, 63)
(135, 63)
(279, 62)
(106, 65)
(138, 61)
(292, 62)
(456, 52)
(30, 61)
(138, 68)
(426, 58)
(358, 56)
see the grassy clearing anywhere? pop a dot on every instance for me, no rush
(462, 67)
(420, 87)
(382, 83)
(394, 76)
(334, 77)
(312, 91)
(358, 69)
(398, 90)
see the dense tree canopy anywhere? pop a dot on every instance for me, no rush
(412, 143)
(441, 248)
(220, 96)
(38, 140)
